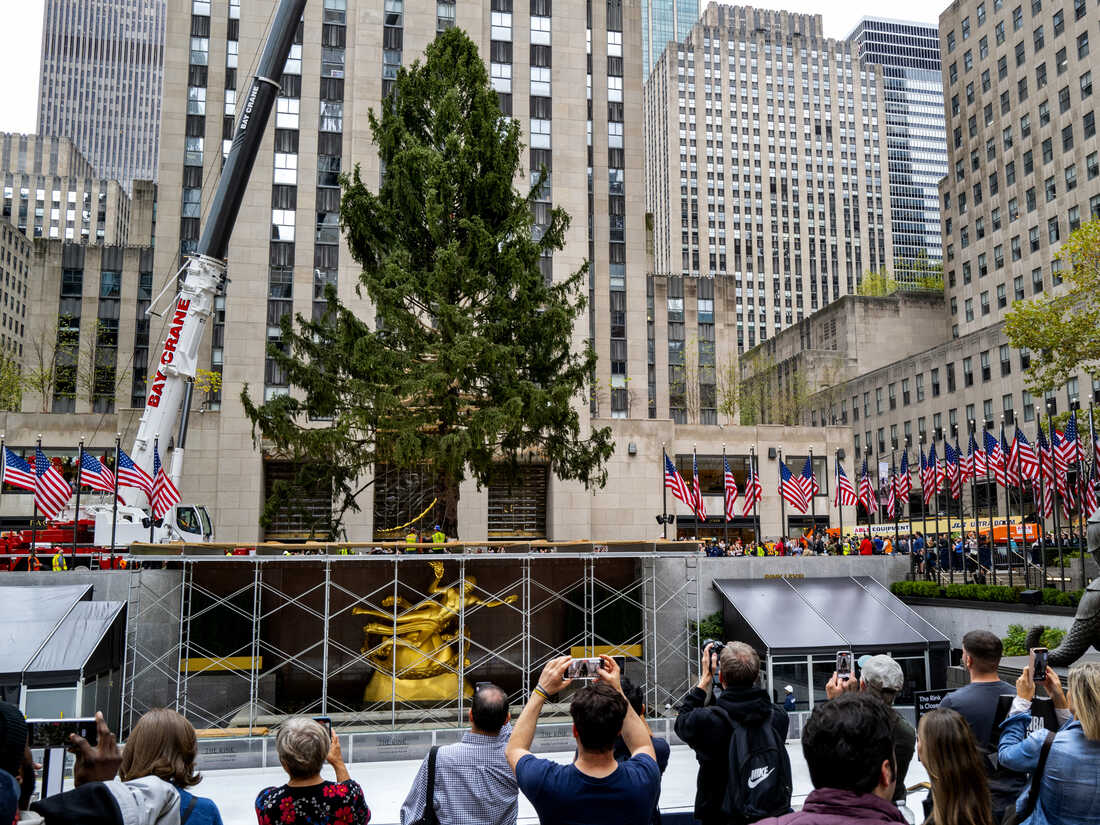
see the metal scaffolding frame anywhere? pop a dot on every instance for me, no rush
(245, 641)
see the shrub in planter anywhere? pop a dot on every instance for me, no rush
(1015, 641)
(928, 590)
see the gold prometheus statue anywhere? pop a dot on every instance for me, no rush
(416, 659)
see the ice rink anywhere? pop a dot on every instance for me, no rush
(385, 785)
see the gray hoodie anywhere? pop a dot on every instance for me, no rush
(145, 801)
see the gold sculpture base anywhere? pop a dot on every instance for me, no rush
(442, 688)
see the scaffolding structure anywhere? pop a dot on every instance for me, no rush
(245, 641)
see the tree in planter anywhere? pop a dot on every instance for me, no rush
(470, 361)
(52, 360)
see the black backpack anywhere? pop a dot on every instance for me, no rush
(760, 782)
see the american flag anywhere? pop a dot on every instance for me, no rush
(995, 458)
(696, 492)
(932, 477)
(1071, 442)
(975, 459)
(791, 489)
(17, 472)
(753, 490)
(809, 480)
(954, 475)
(94, 474)
(165, 494)
(926, 483)
(1046, 474)
(845, 492)
(1012, 471)
(131, 475)
(891, 502)
(1061, 474)
(673, 480)
(903, 483)
(1023, 458)
(51, 492)
(1089, 492)
(729, 484)
(867, 495)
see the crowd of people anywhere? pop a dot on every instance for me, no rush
(983, 769)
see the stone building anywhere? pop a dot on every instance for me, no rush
(100, 83)
(52, 191)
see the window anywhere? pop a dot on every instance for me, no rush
(935, 382)
(1010, 173)
(1036, 281)
(1054, 233)
(905, 392)
(968, 372)
(1050, 188)
(1086, 84)
(1074, 218)
(985, 303)
(1092, 165)
(1063, 99)
(1040, 75)
(1028, 405)
(1006, 363)
(1048, 150)
(1038, 39)
(1082, 45)
(1089, 123)
(892, 392)
(1044, 113)
(920, 386)
(1060, 61)
(983, 358)
(878, 400)
(1025, 126)
(1002, 296)
(1018, 287)
(999, 33)
(1014, 245)
(1033, 238)
(968, 308)
(1071, 177)
(1017, 18)
(110, 283)
(1059, 22)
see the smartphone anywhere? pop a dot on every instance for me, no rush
(54, 733)
(844, 665)
(1038, 664)
(479, 685)
(325, 723)
(583, 668)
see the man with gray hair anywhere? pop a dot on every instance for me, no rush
(473, 782)
(742, 712)
(882, 677)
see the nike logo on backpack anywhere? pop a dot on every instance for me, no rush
(758, 775)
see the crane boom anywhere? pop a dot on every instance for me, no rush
(170, 387)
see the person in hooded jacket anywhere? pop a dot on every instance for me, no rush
(707, 732)
(849, 749)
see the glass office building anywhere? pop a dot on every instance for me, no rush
(662, 21)
(916, 137)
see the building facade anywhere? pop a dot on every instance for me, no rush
(570, 73)
(102, 70)
(51, 191)
(664, 21)
(16, 258)
(916, 140)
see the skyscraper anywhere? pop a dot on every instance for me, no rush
(100, 85)
(765, 144)
(664, 21)
(916, 139)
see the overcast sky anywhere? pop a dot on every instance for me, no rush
(21, 24)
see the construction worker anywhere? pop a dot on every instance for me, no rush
(58, 561)
(439, 538)
(411, 540)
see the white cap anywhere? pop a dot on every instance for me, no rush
(788, 688)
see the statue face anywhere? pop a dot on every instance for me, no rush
(1094, 535)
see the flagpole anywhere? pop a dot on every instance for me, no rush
(725, 510)
(1057, 524)
(664, 490)
(34, 516)
(1008, 502)
(894, 488)
(76, 511)
(114, 504)
(813, 495)
(992, 502)
(3, 464)
(696, 489)
(152, 516)
(972, 448)
(782, 499)
(755, 498)
(962, 516)
(924, 504)
(909, 502)
(1041, 509)
(934, 469)
(840, 504)
(1077, 453)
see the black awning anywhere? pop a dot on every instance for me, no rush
(799, 616)
(28, 618)
(88, 641)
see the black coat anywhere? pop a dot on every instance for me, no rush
(708, 734)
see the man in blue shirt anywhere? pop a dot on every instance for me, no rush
(595, 789)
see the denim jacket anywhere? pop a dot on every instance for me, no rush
(1069, 792)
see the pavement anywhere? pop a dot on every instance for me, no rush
(385, 785)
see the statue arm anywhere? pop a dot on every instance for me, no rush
(1084, 632)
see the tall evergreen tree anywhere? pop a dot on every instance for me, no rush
(469, 365)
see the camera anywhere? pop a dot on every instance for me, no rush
(844, 665)
(1039, 664)
(715, 647)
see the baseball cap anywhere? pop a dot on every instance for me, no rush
(882, 672)
(788, 689)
